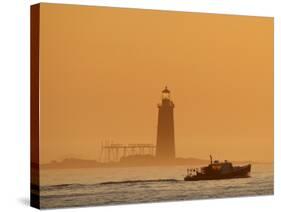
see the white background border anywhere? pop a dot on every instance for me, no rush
(14, 101)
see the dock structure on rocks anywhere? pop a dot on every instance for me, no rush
(113, 152)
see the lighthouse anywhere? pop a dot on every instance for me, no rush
(165, 146)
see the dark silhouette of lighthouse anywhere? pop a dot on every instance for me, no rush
(165, 147)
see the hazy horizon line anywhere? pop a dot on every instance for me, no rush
(196, 158)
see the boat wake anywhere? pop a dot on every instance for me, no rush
(138, 181)
(77, 185)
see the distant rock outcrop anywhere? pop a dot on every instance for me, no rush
(133, 160)
(71, 163)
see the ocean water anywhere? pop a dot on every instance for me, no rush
(107, 186)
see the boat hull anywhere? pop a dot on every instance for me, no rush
(238, 172)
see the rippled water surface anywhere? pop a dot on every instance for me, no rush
(100, 186)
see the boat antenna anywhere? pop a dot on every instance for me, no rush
(211, 159)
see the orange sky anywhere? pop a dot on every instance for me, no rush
(102, 71)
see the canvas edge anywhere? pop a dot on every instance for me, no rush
(34, 105)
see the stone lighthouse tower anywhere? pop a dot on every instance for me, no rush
(165, 147)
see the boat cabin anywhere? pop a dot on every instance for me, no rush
(221, 167)
(214, 168)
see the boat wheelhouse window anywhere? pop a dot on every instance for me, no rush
(216, 167)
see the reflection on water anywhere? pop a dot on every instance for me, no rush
(81, 187)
